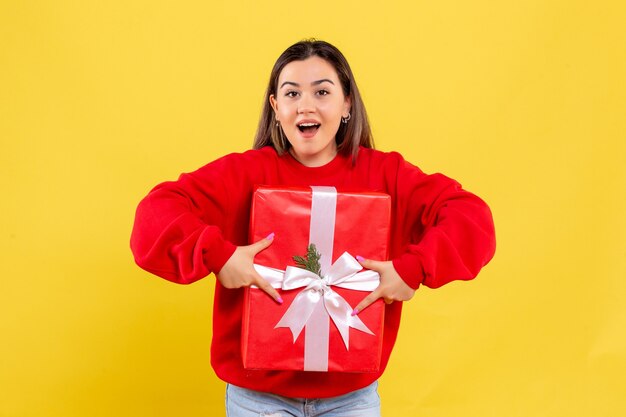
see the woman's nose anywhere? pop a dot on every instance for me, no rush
(306, 104)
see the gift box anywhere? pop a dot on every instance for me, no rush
(313, 330)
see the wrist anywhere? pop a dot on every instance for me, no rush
(409, 268)
(216, 256)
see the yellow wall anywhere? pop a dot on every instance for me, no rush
(522, 101)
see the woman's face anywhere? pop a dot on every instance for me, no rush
(309, 105)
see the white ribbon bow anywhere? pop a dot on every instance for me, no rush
(344, 273)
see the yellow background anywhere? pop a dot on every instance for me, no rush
(522, 101)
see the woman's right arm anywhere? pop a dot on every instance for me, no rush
(177, 231)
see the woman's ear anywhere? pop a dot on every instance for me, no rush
(347, 106)
(274, 103)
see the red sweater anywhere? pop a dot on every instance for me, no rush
(186, 229)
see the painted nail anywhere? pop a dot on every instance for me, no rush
(360, 258)
(270, 236)
(355, 311)
(279, 300)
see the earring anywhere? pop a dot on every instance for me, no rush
(280, 135)
(283, 139)
(345, 119)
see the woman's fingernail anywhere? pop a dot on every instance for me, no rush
(280, 300)
(270, 236)
(360, 258)
(355, 311)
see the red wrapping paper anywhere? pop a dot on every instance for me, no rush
(361, 228)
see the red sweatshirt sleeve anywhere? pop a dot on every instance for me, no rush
(177, 231)
(451, 231)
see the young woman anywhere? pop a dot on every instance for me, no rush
(313, 131)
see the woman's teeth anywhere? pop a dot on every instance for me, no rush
(308, 126)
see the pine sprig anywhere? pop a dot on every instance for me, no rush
(312, 260)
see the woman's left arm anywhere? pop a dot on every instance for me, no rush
(451, 239)
(450, 234)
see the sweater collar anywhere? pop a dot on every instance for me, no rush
(334, 167)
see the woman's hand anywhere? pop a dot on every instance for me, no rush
(239, 271)
(391, 288)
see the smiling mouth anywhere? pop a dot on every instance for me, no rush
(308, 127)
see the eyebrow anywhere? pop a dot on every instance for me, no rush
(318, 82)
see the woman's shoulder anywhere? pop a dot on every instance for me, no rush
(251, 155)
(386, 158)
(376, 153)
(248, 159)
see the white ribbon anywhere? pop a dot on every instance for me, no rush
(344, 273)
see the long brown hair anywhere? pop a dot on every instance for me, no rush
(350, 135)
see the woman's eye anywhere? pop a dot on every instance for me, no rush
(291, 94)
(323, 92)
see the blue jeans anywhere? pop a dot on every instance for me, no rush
(242, 402)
